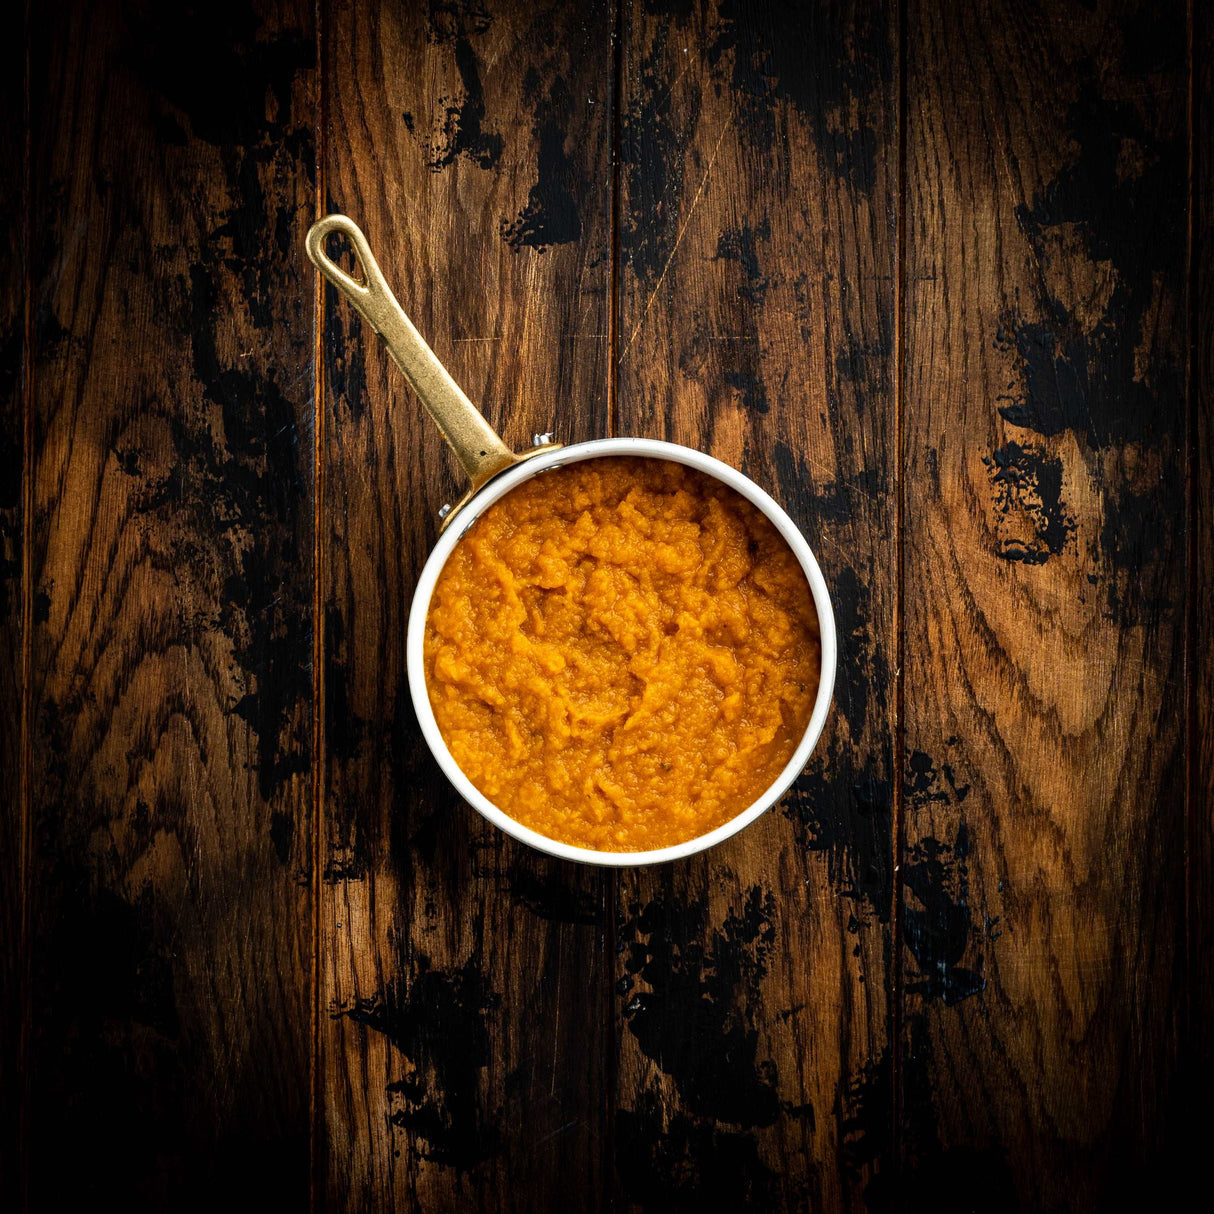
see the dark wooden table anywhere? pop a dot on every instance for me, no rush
(937, 275)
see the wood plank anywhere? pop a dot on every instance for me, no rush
(1045, 439)
(1201, 576)
(172, 581)
(464, 983)
(756, 322)
(12, 613)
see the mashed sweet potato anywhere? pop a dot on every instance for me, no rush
(622, 654)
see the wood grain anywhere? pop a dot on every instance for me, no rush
(12, 614)
(172, 590)
(1200, 586)
(756, 321)
(463, 983)
(1045, 421)
(931, 285)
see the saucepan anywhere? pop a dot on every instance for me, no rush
(493, 471)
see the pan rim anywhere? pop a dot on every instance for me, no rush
(576, 453)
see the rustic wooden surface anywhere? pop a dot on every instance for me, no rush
(1045, 423)
(169, 809)
(12, 616)
(463, 981)
(756, 320)
(1199, 683)
(938, 276)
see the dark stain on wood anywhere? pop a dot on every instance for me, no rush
(1200, 656)
(651, 152)
(345, 362)
(864, 1108)
(346, 729)
(749, 386)
(437, 1021)
(1129, 544)
(836, 502)
(695, 1010)
(282, 835)
(545, 889)
(244, 494)
(114, 1021)
(227, 43)
(939, 924)
(551, 215)
(686, 1165)
(954, 1179)
(862, 667)
(1027, 481)
(1079, 359)
(457, 124)
(845, 813)
(738, 245)
(249, 482)
(799, 55)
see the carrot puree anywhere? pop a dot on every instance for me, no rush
(622, 654)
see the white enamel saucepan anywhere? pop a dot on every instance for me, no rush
(494, 470)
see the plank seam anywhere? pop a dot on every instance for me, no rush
(318, 431)
(899, 740)
(617, 79)
(1191, 525)
(27, 618)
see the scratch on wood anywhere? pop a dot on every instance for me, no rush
(679, 239)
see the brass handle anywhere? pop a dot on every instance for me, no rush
(477, 446)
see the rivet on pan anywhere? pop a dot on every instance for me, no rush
(445, 510)
(541, 440)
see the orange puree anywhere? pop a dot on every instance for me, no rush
(622, 654)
